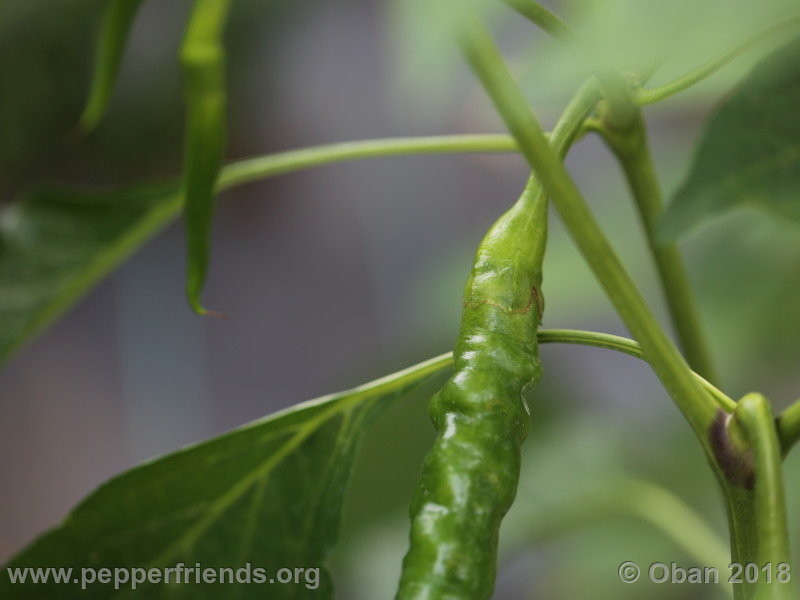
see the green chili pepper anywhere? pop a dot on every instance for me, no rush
(203, 59)
(114, 28)
(470, 476)
(469, 479)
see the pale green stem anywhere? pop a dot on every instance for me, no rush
(704, 71)
(633, 152)
(697, 406)
(616, 89)
(260, 167)
(626, 346)
(546, 19)
(580, 338)
(758, 516)
(788, 424)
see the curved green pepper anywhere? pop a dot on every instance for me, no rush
(115, 25)
(469, 478)
(203, 60)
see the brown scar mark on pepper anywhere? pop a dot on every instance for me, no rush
(539, 298)
(536, 296)
(736, 465)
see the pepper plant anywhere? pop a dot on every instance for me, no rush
(213, 503)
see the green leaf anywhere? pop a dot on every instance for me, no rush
(749, 154)
(269, 494)
(56, 243)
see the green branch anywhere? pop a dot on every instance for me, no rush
(261, 167)
(546, 19)
(704, 71)
(616, 88)
(788, 424)
(697, 406)
(631, 148)
(758, 522)
(629, 143)
(560, 336)
(625, 346)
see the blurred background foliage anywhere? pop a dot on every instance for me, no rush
(337, 275)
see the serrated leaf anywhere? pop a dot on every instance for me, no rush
(56, 243)
(749, 154)
(268, 494)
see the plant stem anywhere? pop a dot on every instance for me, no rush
(577, 337)
(616, 88)
(546, 19)
(632, 150)
(627, 138)
(625, 346)
(704, 71)
(788, 424)
(260, 167)
(751, 486)
(697, 406)
(757, 505)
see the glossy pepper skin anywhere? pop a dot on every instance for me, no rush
(470, 476)
(203, 61)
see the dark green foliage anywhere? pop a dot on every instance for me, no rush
(749, 155)
(269, 494)
(56, 243)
